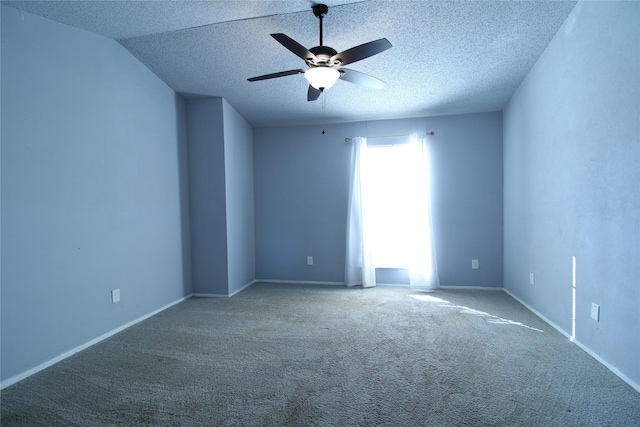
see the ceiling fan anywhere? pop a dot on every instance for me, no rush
(321, 60)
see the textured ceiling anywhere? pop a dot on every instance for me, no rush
(447, 57)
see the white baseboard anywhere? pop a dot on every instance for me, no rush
(586, 349)
(612, 368)
(19, 377)
(203, 295)
(300, 282)
(537, 313)
(243, 288)
(383, 285)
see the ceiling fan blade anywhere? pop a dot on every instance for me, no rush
(294, 46)
(274, 75)
(362, 79)
(313, 93)
(361, 52)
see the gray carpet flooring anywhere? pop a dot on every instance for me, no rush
(302, 355)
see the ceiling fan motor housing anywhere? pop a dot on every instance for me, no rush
(323, 56)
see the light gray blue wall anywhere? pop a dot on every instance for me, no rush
(221, 197)
(301, 179)
(93, 180)
(238, 158)
(572, 181)
(207, 196)
(301, 194)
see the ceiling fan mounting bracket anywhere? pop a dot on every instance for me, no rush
(320, 10)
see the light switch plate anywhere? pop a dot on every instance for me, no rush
(595, 311)
(115, 296)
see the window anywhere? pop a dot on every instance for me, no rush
(393, 178)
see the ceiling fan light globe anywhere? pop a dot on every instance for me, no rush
(322, 77)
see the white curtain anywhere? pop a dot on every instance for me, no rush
(423, 272)
(359, 265)
(359, 268)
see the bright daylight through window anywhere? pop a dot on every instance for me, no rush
(393, 177)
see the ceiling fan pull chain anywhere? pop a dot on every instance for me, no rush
(323, 116)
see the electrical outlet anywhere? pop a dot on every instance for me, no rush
(595, 311)
(532, 279)
(309, 260)
(115, 296)
(474, 264)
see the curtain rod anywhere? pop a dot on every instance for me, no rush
(387, 136)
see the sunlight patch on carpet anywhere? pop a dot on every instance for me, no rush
(489, 318)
